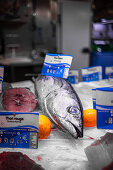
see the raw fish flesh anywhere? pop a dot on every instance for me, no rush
(100, 152)
(17, 161)
(108, 167)
(57, 99)
(19, 100)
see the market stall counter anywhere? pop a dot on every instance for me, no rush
(62, 151)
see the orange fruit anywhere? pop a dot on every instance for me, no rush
(90, 117)
(44, 127)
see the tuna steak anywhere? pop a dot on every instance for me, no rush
(57, 98)
(17, 161)
(19, 100)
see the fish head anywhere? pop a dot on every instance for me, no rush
(66, 110)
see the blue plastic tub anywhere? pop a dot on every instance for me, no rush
(101, 59)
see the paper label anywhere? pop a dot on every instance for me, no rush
(19, 130)
(94, 98)
(103, 103)
(104, 98)
(73, 77)
(57, 65)
(108, 72)
(19, 138)
(18, 119)
(91, 74)
(104, 118)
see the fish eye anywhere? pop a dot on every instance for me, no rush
(73, 110)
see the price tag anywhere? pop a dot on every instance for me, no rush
(73, 77)
(57, 65)
(109, 72)
(91, 73)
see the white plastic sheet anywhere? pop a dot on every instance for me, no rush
(84, 90)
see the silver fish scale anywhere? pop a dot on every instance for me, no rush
(58, 99)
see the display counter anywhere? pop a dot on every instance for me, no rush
(61, 151)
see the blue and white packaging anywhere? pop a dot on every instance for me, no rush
(1, 78)
(73, 77)
(94, 98)
(109, 72)
(19, 130)
(91, 73)
(57, 65)
(104, 107)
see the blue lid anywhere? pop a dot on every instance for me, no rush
(110, 89)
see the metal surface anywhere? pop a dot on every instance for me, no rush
(43, 27)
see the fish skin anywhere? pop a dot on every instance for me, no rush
(58, 99)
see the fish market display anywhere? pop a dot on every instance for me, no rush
(57, 99)
(19, 99)
(17, 161)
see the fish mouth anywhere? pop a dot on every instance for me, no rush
(79, 133)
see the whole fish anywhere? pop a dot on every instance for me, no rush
(58, 99)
